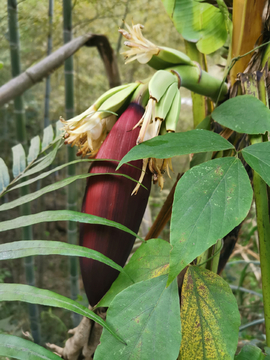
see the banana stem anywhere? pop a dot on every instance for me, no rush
(197, 80)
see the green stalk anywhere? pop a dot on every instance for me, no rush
(21, 137)
(261, 200)
(71, 154)
(255, 84)
(199, 81)
(199, 107)
(216, 252)
(48, 79)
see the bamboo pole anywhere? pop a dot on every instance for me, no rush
(256, 84)
(21, 137)
(36, 73)
(247, 28)
(48, 79)
(71, 154)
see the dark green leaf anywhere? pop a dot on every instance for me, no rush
(55, 186)
(257, 156)
(34, 149)
(172, 144)
(244, 114)
(150, 260)
(4, 175)
(147, 315)
(19, 249)
(198, 22)
(18, 348)
(47, 136)
(250, 352)
(18, 160)
(209, 201)
(33, 295)
(209, 315)
(60, 215)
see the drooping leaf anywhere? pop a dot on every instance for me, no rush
(48, 136)
(172, 144)
(34, 149)
(47, 173)
(198, 22)
(58, 128)
(209, 315)
(19, 249)
(55, 186)
(22, 349)
(244, 114)
(257, 156)
(60, 215)
(18, 160)
(33, 295)
(45, 162)
(147, 316)
(209, 201)
(4, 175)
(150, 260)
(249, 352)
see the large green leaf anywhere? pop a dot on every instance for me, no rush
(19, 249)
(257, 156)
(251, 352)
(19, 348)
(244, 114)
(172, 144)
(209, 315)
(33, 295)
(198, 22)
(209, 201)
(147, 315)
(60, 215)
(150, 260)
(55, 186)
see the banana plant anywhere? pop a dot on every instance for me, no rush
(168, 301)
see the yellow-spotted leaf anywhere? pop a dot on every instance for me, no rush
(209, 316)
(149, 261)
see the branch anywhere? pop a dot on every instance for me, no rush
(42, 69)
(107, 55)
